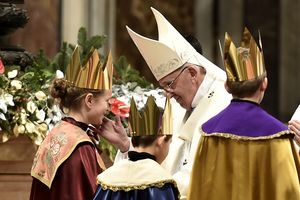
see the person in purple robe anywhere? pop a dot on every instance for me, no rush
(67, 162)
(244, 152)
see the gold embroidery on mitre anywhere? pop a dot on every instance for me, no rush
(93, 74)
(239, 67)
(151, 120)
(164, 68)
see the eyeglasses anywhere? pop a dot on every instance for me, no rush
(169, 86)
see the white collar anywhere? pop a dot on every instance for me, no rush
(129, 175)
(203, 88)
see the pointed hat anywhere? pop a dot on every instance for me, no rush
(170, 51)
(91, 75)
(240, 66)
(151, 120)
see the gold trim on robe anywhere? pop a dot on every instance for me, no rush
(56, 148)
(237, 137)
(134, 175)
(272, 169)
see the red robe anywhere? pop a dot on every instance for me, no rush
(75, 177)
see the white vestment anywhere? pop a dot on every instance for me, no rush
(209, 100)
(185, 139)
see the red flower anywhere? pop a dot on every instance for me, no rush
(2, 68)
(119, 108)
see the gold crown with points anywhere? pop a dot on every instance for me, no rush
(93, 74)
(151, 120)
(239, 67)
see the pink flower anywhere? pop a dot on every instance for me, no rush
(2, 68)
(119, 108)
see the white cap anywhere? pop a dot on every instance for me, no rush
(170, 51)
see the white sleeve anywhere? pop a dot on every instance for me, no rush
(182, 176)
(178, 165)
(122, 156)
(182, 179)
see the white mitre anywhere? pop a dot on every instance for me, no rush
(170, 51)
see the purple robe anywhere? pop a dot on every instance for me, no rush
(245, 153)
(244, 119)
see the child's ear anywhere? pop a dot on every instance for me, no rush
(161, 140)
(226, 87)
(89, 100)
(264, 84)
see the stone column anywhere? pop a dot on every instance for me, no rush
(289, 65)
(204, 26)
(212, 19)
(231, 20)
(97, 16)
(74, 16)
(102, 20)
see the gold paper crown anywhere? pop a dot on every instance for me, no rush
(93, 74)
(239, 67)
(151, 120)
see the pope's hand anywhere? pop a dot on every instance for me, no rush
(115, 133)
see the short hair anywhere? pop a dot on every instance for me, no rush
(146, 140)
(194, 42)
(242, 89)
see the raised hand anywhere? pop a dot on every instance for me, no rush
(115, 133)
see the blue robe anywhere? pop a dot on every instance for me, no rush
(140, 177)
(164, 193)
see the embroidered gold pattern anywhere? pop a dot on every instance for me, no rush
(166, 67)
(125, 188)
(237, 137)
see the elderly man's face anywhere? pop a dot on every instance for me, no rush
(182, 84)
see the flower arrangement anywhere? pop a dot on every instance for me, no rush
(24, 109)
(2, 68)
(27, 109)
(25, 104)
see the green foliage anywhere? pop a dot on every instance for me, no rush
(88, 43)
(37, 78)
(39, 75)
(62, 58)
(109, 149)
(125, 73)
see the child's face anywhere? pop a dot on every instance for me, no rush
(99, 106)
(163, 144)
